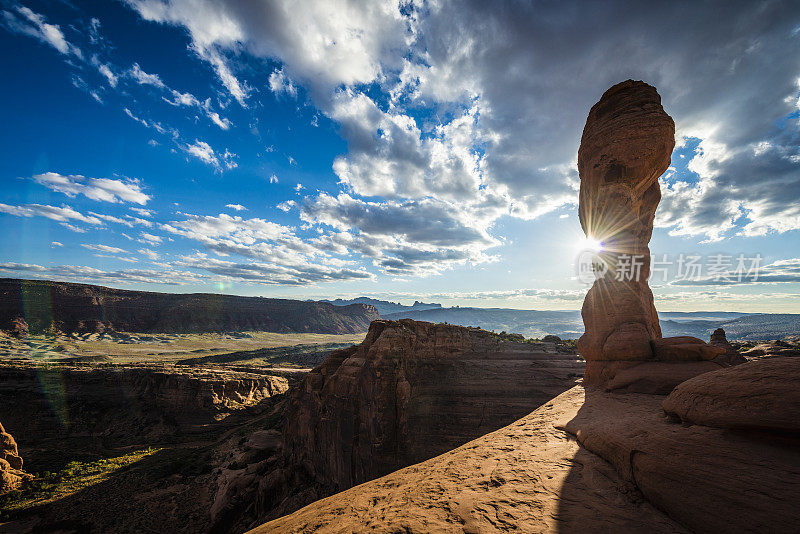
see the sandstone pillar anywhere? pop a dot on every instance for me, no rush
(626, 145)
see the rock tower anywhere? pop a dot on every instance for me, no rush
(626, 145)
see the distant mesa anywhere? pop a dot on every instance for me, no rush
(41, 306)
(386, 307)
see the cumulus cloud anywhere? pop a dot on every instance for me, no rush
(487, 104)
(237, 207)
(280, 84)
(103, 189)
(203, 151)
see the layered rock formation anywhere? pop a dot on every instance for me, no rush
(410, 391)
(56, 409)
(40, 306)
(11, 474)
(626, 145)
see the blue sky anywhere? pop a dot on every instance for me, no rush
(422, 150)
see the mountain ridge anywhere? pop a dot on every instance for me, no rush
(40, 306)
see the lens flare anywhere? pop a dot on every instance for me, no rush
(589, 243)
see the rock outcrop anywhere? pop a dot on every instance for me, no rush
(705, 478)
(761, 396)
(731, 356)
(626, 145)
(11, 474)
(40, 306)
(410, 391)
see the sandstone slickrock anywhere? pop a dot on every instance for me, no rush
(760, 395)
(707, 479)
(626, 145)
(41, 306)
(11, 474)
(527, 477)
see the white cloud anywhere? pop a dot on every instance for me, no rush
(105, 70)
(219, 121)
(63, 214)
(34, 25)
(102, 189)
(144, 237)
(279, 83)
(273, 179)
(56, 244)
(143, 212)
(149, 254)
(237, 207)
(143, 78)
(203, 151)
(73, 273)
(105, 248)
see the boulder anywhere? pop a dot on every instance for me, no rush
(761, 395)
(684, 348)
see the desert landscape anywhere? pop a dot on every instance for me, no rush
(399, 267)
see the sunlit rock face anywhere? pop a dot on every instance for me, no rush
(626, 146)
(11, 474)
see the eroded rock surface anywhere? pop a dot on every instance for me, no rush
(527, 477)
(11, 474)
(413, 390)
(410, 391)
(731, 356)
(761, 395)
(626, 145)
(707, 479)
(56, 409)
